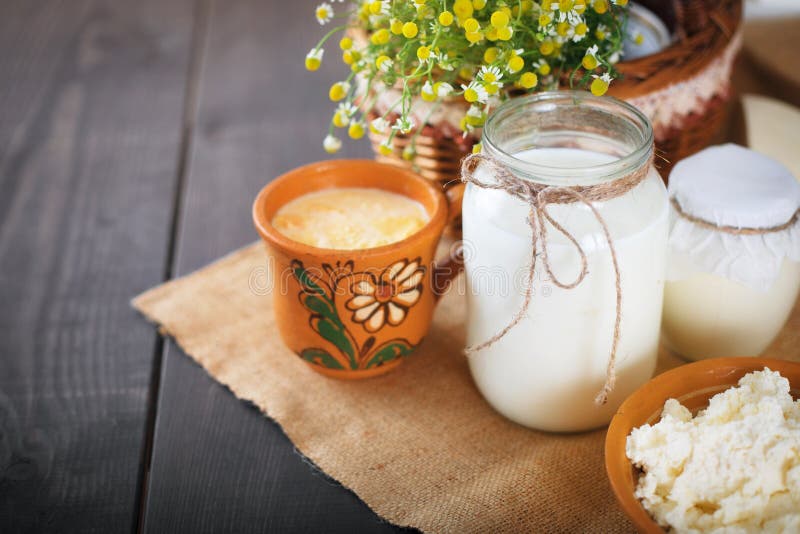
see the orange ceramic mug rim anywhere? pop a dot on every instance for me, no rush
(383, 173)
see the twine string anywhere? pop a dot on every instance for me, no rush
(538, 197)
(733, 230)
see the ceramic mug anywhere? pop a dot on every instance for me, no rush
(356, 313)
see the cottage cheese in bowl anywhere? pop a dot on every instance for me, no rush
(734, 467)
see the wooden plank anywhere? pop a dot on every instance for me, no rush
(218, 465)
(91, 98)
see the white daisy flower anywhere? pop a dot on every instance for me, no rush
(475, 111)
(490, 74)
(324, 13)
(347, 109)
(445, 63)
(315, 53)
(403, 125)
(378, 125)
(385, 64)
(443, 89)
(331, 144)
(475, 92)
(427, 90)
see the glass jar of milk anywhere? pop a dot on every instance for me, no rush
(733, 273)
(545, 372)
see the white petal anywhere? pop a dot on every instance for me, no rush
(359, 301)
(376, 321)
(412, 281)
(364, 288)
(396, 314)
(394, 268)
(405, 273)
(409, 298)
(362, 314)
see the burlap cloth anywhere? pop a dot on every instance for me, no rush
(419, 445)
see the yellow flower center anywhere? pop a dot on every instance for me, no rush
(313, 63)
(380, 37)
(396, 26)
(375, 7)
(547, 48)
(346, 43)
(544, 19)
(471, 95)
(340, 120)
(446, 18)
(381, 60)
(410, 30)
(600, 6)
(356, 130)
(462, 9)
(337, 92)
(544, 69)
(515, 64)
(504, 33)
(478, 4)
(528, 80)
(385, 150)
(471, 25)
(474, 37)
(581, 28)
(499, 19)
(423, 53)
(562, 28)
(589, 62)
(599, 87)
(490, 55)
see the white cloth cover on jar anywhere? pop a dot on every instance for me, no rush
(731, 186)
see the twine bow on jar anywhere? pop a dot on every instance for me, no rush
(538, 197)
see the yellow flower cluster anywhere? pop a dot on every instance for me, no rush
(482, 51)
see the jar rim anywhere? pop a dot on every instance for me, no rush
(583, 175)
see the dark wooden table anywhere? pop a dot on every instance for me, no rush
(134, 135)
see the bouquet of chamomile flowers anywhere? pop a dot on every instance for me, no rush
(475, 53)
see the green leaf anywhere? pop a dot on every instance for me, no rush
(335, 333)
(321, 307)
(396, 348)
(320, 357)
(324, 318)
(308, 283)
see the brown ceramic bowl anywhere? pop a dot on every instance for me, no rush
(693, 385)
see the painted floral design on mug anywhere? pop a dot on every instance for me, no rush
(386, 298)
(375, 302)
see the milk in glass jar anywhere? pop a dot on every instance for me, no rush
(565, 236)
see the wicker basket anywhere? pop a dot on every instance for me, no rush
(696, 68)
